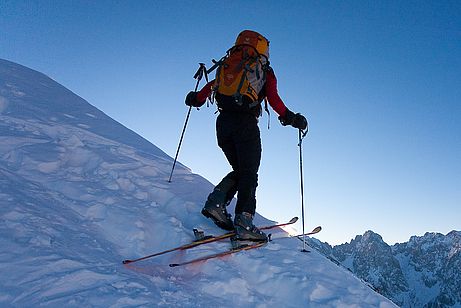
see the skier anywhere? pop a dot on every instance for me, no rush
(237, 129)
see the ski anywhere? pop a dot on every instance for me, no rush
(220, 254)
(241, 248)
(206, 240)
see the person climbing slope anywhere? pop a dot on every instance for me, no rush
(244, 79)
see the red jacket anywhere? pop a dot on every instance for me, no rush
(270, 89)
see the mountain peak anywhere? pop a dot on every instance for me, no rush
(372, 236)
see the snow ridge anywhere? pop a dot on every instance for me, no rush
(79, 193)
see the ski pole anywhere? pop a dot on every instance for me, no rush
(301, 136)
(198, 75)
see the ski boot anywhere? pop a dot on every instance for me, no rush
(215, 208)
(246, 231)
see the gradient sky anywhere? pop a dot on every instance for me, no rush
(379, 81)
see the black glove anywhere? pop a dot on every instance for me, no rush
(191, 100)
(299, 122)
(295, 120)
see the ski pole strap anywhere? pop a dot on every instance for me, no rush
(302, 134)
(200, 72)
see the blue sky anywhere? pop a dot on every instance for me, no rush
(379, 82)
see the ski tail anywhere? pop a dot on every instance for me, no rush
(220, 254)
(184, 247)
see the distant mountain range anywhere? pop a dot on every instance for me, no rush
(423, 272)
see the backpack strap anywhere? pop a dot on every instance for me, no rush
(246, 68)
(268, 113)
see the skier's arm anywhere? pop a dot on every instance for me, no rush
(286, 117)
(205, 92)
(272, 94)
(197, 99)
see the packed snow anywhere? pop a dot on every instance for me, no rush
(79, 193)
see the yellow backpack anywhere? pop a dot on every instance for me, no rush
(242, 71)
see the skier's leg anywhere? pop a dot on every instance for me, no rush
(248, 152)
(218, 200)
(228, 185)
(220, 197)
(248, 149)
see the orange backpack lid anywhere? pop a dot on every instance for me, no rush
(253, 38)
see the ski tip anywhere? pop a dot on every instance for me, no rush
(293, 220)
(173, 265)
(317, 229)
(126, 261)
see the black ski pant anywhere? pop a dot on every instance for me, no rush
(239, 138)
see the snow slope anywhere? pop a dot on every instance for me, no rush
(79, 193)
